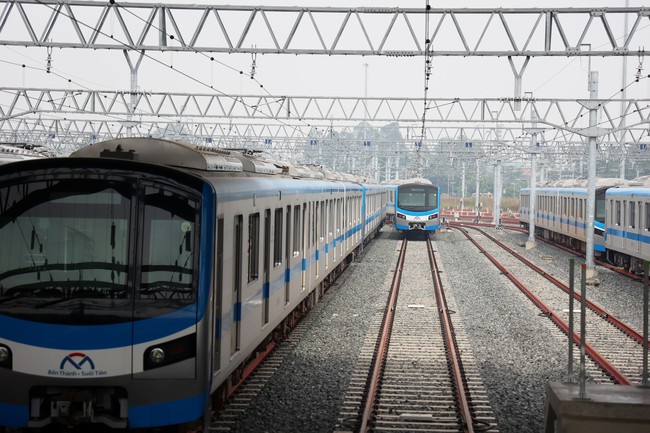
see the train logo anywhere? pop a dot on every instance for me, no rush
(84, 359)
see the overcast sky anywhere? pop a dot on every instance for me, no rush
(335, 75)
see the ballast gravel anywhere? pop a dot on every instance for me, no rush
(306, 393)
(517, 350)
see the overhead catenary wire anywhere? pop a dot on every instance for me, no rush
(181, 72)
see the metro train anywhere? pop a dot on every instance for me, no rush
(139, 276)
(417, 206)
(627, 240)
(622, 212)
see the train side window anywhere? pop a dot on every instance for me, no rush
(647, 216)
(617, 213)
(579, 209)
(632, 215)
(277, 238)
(253, 246)
(296, 230)
(323, 220)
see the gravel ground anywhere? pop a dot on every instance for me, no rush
(509, 338)
(620, 295)
(518, 352)
(306, 393)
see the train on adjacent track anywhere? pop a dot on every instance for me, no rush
(621, 220)
(417, 206)
(139, 276)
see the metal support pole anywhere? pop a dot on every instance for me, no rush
(583, 332)
(478, 193)
(591, 174)
(533, 200)
(497, 195)
(532, 207)
(462, 187)
(134, 90)
(572, 264)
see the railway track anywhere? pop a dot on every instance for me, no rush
(510, 225)
(614, 346)
(422, 377)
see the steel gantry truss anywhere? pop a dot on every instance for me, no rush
(65, 119)
(319, 30)
(560, 117)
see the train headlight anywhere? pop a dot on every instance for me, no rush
(399, 215)
(157, 355)
(170, 352)
(5, 357)
(433, 216)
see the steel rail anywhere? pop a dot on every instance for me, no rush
(593, 307)
(453, 355)
(382, 344)
(555, 244)
(607, 367)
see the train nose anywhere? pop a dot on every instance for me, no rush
(416, 226)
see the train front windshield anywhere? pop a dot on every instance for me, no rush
(417, 197)
(69, 248)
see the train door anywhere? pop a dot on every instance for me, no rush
(287, 258)
(266, 288)
(624, 223)
(618, 223)
(305, 243)
(644, 227)
(169, 258)
(235, 329)
(632, 241)
(317, 234)
(565, 215)
(218, 291)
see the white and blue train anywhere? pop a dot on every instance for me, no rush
(139, 276)
(417, 206)
(621, 220)
(627, 241)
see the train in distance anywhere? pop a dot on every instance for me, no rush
(417, 206)
(621, 220)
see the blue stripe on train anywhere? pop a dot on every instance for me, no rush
(67, 337)
(14, 415)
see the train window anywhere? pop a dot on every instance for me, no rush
(65, 238)
(632, 215)
(580, 212)
(330, 220)
(253, 246)
(296, 231)
(617, 213)
(647, 216)
(277, 238)
(168, 246)
(323, 220)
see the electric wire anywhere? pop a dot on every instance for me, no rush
(176, 70)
